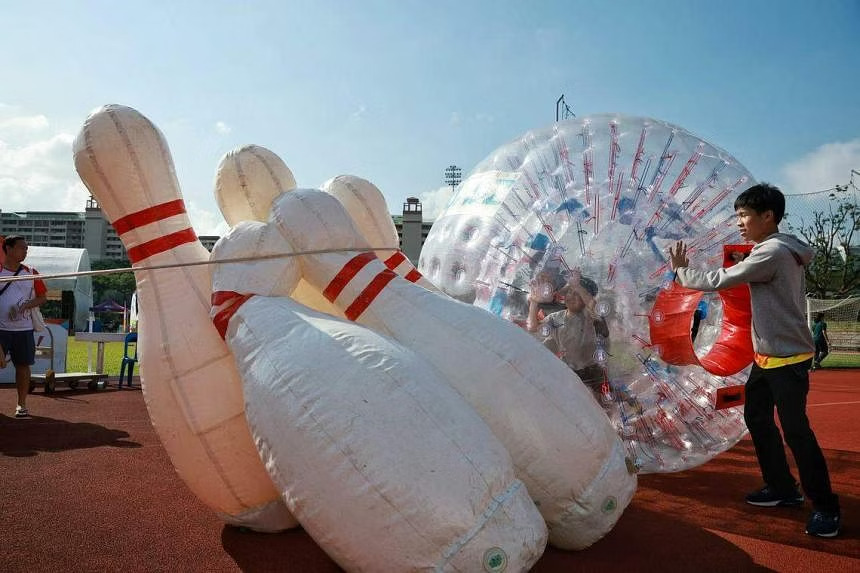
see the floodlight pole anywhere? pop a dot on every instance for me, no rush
(452, 176)
(561, 105)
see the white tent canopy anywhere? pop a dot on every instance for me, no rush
(58, 260)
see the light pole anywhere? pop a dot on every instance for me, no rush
(452, 176)
(561, 105)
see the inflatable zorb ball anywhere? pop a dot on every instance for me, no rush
(605, 194)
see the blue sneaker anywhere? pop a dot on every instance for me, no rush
(768, 497)
(823, 524)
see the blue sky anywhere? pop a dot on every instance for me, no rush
(396, 91)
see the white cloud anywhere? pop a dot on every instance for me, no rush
(455, 118)
(222, 128)
(824, 168)
(37, 172)
(433, 202)
(24, 123)
(819, 170)
(8, 109)
(206, 222)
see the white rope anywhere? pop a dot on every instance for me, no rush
(191, 264)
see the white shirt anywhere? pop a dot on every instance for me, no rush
(14, 296)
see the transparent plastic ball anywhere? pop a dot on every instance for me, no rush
(603, 197)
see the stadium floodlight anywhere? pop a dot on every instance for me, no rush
(453, 175)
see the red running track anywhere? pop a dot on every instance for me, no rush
(86, 486)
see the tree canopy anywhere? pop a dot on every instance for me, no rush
(115, 286)
(835, 269)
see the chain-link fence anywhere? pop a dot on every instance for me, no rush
(829, 220)
(800, 208)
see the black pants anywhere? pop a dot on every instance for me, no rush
(821, 351)
(592, 376)
(786, 388)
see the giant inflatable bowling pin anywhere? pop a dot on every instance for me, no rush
(366, 206)
(247, 180)
(191, 385)
(562, 444)
(250, 177)
(385, 465)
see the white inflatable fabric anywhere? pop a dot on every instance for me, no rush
(563, 447)
(191, 386)
(366, 206)
(247, 180)
(367, 209)
(386, 467)
(250, 177)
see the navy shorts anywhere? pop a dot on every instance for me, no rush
(20, 345)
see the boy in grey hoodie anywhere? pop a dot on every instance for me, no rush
(783, 348)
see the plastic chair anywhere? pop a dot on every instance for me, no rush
(130, 340)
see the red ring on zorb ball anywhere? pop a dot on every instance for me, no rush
(672, 314)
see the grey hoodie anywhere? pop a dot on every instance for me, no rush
(774, 271)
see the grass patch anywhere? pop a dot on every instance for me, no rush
(76, 356)
(842, 360)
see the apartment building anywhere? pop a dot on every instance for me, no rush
(91, 231)
(87, 230)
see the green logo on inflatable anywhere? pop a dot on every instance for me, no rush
(609, 504)
(495, 560)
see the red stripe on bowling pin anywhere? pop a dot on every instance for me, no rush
(413, 276)
(346, 274)
(161, 244)
(366, 296)
(149, 215)
(396, 260)
(229, 302)
(363, 300)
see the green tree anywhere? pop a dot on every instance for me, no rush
(834, 270)
(114, 286)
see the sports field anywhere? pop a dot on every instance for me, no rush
(95, 491)
(76, 357)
